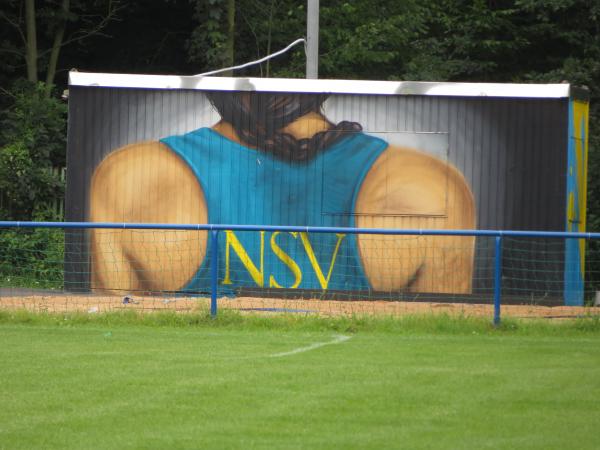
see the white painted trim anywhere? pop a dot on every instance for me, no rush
(507, 90)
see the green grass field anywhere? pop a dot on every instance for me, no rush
(167, 381)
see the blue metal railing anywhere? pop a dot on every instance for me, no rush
(215, 229)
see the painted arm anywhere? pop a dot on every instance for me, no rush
(410, 189)
(145, 182)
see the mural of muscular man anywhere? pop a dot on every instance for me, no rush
(276, 159)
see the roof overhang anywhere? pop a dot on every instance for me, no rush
(506, 90)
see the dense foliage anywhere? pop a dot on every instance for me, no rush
(32, 258)
(32, 147)
(32, 144)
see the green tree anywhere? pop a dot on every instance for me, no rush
(519, 40)
(357, 39)
(368, 39)
(212, 41)
(32, 143)
(34, 34)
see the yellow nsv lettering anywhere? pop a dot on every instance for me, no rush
(287, 260)
(324, 282)
(233, 242)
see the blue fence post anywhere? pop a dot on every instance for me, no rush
(497, 279)
(214, 272)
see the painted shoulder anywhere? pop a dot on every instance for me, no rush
(404, 181)
(145, 182)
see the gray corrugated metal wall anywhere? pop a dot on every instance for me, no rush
(511, 151)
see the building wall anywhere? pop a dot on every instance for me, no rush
(512, 152)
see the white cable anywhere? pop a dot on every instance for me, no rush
(258, 61)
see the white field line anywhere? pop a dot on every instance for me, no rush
(336, 340)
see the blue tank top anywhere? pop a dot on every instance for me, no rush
(250, 187)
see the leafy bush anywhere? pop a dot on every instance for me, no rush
(32, 142)
(32, 258)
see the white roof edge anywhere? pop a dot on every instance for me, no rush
(510, 90)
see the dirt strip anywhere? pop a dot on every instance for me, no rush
(95, 303)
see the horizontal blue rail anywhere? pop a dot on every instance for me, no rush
(214, 229)
(308, 229)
